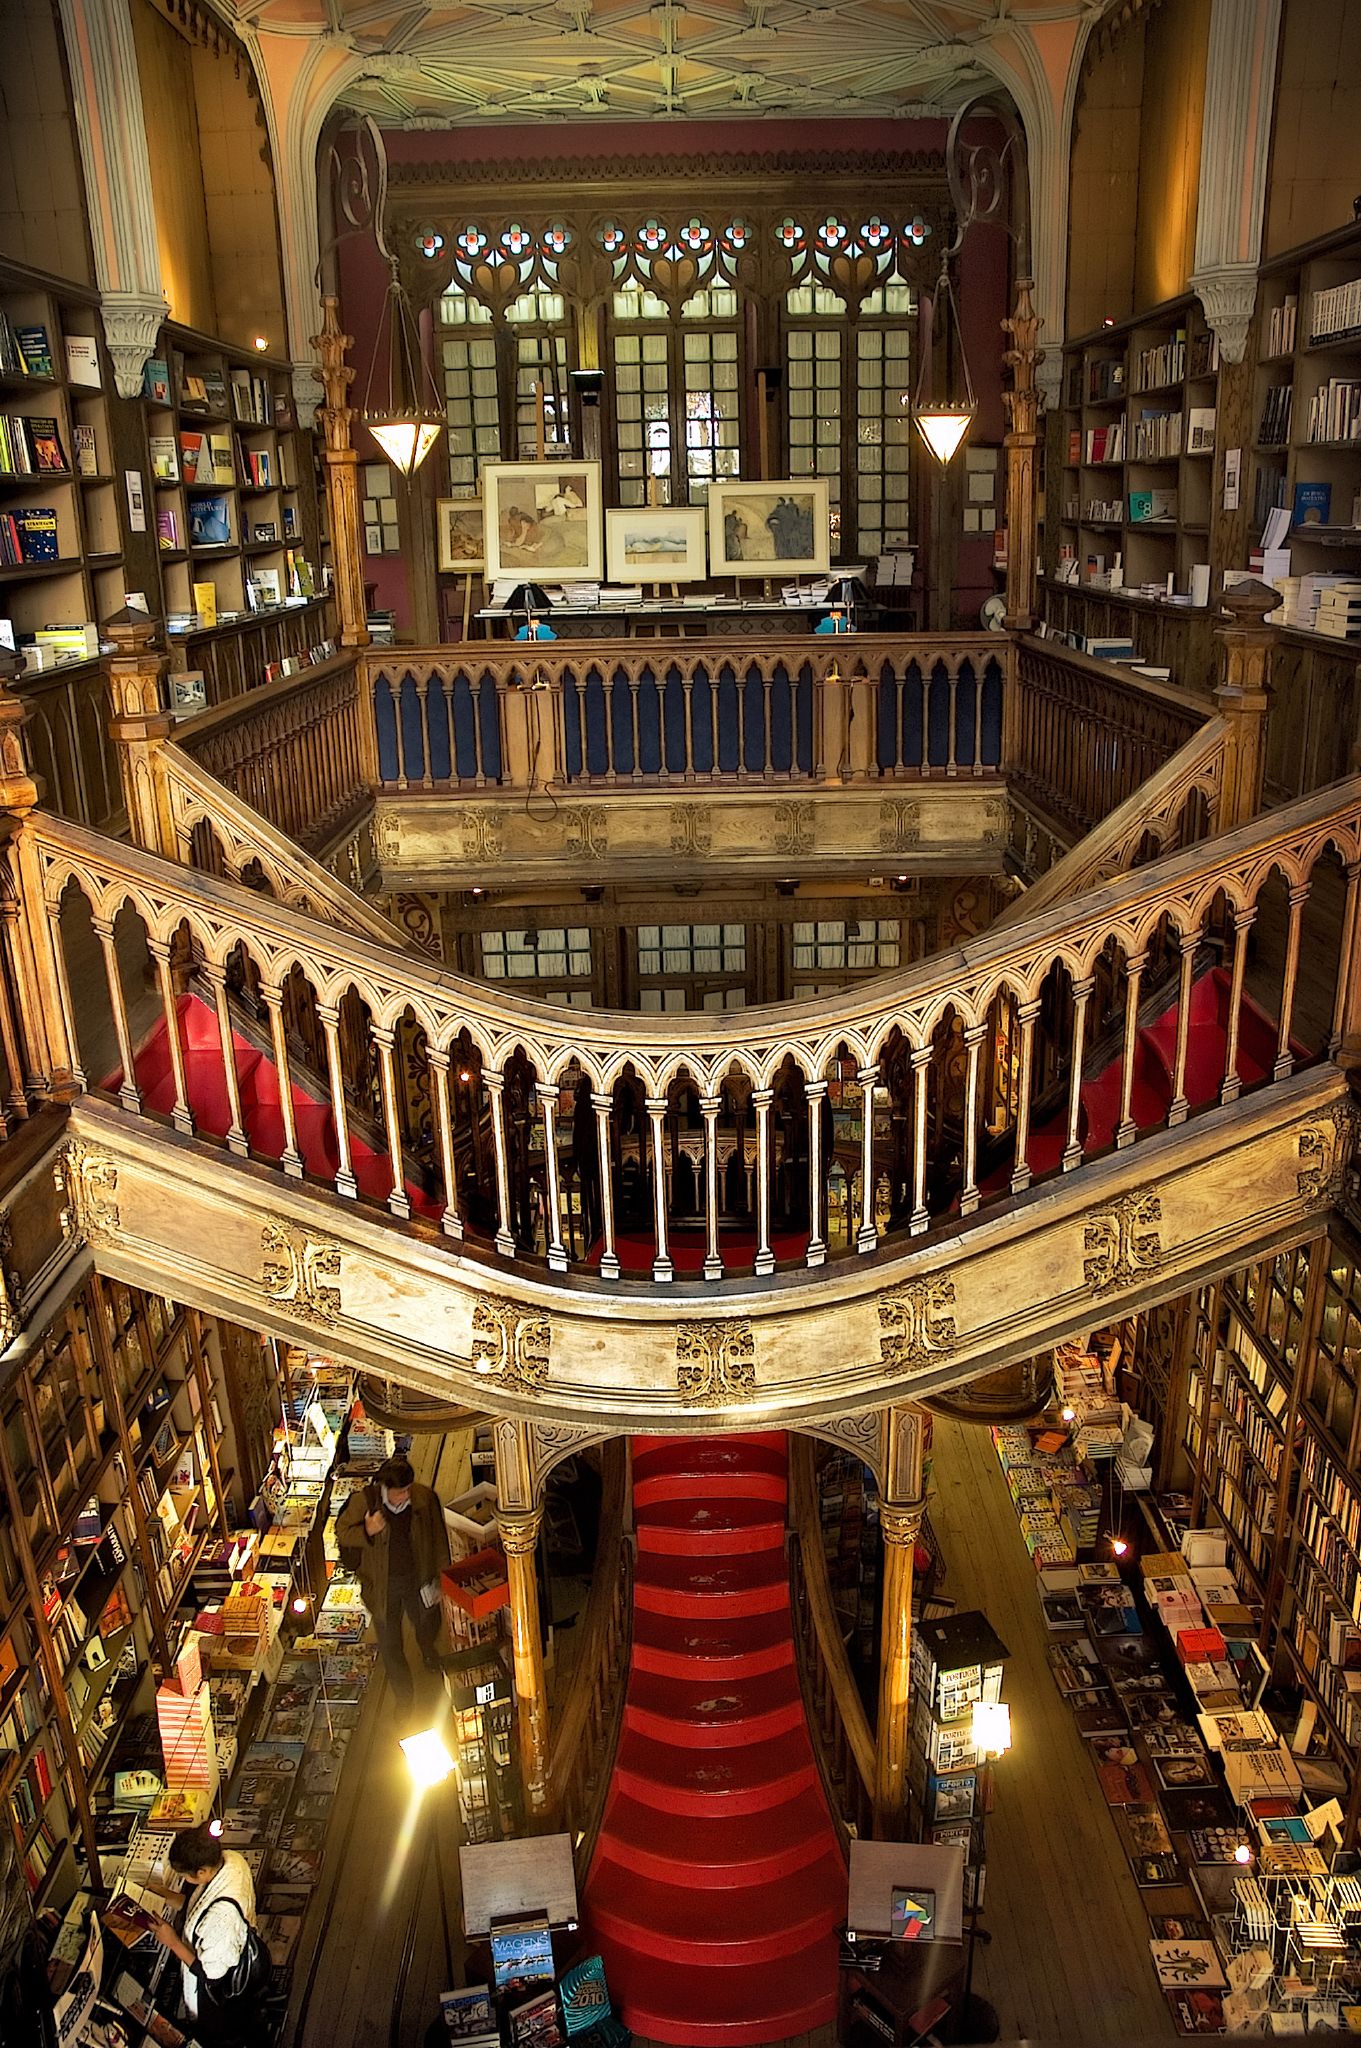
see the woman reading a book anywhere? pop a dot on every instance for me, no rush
(219, 1928)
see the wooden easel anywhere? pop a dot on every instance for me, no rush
(654, 499)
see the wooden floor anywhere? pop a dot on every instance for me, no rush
(1069, 1958)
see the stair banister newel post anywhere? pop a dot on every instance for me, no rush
(762, 1098)
(129, 1094)
(1344, 1044)
(181, 1115)
(519, 1539)
(495, 1084)
(1022, 403)
(329, 1018)
(1179, 1108)
(815, 1094)
(1243, 921)
(1299, 896)
(900, 1524)
(548, 1104)
(609, 1257)
(1127, 1130)
(656, 1105)
(867, 1237)
(968, 1194)
(216, 977)
(921, 1069)
(1243, 698)
(273, 1000)
(139, 728)
(1082, 996)
(399, 1202)
(450, 1222)
(709, 1106)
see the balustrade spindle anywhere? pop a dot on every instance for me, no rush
(1127, 1130)
(496, 1090)
(384, 1040)
(662, 1269)
(129, 1094)
(715, 765)
(477, 723)
(609, 1257)
(867, 1236)
(237, 1141)
(329, 1018)
(1345, 954)
(423, 711)
(968, 1194)
(952, 754)
(548, 1104)
(762, 1098)
(1072, 1151)
(1243, 921)
(709, 1106)
(272, 996)
(1178, 1108)
(815, 1094)
(1299, 896)
(925, 674)
(921, 1072)
(181, 1115)
(980, 675)
(688, 696)
(768, 757)
(1026, 1014)
(635, 727)
(451, 1223)
(740, 689)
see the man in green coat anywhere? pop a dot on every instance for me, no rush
(392, 1535)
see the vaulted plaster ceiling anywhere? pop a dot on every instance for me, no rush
(432, 63)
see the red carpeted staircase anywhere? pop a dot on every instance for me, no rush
(718, 1878)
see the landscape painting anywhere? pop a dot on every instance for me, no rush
(543, 520)
(458, 522)
(656, 544)
(772, 529)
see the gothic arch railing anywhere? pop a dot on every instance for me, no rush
(558, 1135)
(840, 1726)
(586, 1723)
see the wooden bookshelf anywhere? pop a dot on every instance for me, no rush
(84, 582)
(246, 514)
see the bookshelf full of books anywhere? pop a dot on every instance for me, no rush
(956, 1665)
(1139, 433)
(61, 540)
(232, 480)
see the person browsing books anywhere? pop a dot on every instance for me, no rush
(222, 1977)
(392, 1535)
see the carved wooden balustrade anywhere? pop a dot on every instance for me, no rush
(613, 714)
(298, 750)
(69, 744)
(1083, 735)
(586, 1723)
(842, 1736)
(598, 1142)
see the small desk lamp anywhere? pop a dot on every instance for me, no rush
(532, 600)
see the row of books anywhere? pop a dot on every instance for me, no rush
(1106, 444)
(29, 445)
(28, 534)
(1335, 310)
(1162, 364)
(1280, 334)
(1105, 380)
(24, 351)
(1339, 612)
(1335, 411)
(1274, 428)
(1156, 435)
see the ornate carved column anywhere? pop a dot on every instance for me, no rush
(762, 1098)
(237, 1140)
(48, 1063)
(557, 1250)
(450, 1222)
(102, 60)
(519, 1538)
(1179, 1108)
(1127, 1130)
(921, 1069)
(139, 728)
(329, 1019)
(290, 1159)
(398, 1200)
(1243, 921)
(1240, 85)
(129, 1094)
(1022, 403)
(866, 1237)
(709, 1106)
(815, 1095)
(1243, 697)
(181, 1115)
(1026, 1013)
(495, 1084)
(342, 478)
(900, 1524)
(968, 1194)
(1082, 996)
(662, 1269)
(609, 1257)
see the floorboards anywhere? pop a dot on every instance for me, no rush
(1069, 1958)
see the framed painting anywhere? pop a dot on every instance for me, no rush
(656, 544)
(542, 521)
(772, 529)
(458, 523)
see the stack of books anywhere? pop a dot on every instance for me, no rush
(1339, 611)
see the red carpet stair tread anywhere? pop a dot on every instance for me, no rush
(718, 1880)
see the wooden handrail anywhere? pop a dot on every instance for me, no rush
(837, 1720)
(586, 1729)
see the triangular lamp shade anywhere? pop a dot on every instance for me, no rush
(943, 427)
(406, 441)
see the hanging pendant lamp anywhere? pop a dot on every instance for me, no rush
(405, 426)
(944, 412)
